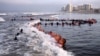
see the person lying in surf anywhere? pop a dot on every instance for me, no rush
(60, 41)
(38, 26)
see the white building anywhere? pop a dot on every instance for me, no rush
(68, 8)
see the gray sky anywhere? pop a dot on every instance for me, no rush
(5, 4)
(48, 1)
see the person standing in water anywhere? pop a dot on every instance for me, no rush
(21, 31)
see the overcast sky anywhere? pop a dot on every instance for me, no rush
(35, 3)
(48, 1)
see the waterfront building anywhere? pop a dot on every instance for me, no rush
(84, 7)
(68, 8)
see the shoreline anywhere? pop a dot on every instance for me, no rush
(79, 12)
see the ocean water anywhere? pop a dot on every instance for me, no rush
(30, 43)
(81, 40)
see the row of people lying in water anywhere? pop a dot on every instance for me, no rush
(14, 19)
(59, 40)
(78, 23)
(52, 19)
(67, 20)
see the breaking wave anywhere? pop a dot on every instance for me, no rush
(43, 43)
(32, 43)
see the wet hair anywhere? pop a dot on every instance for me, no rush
(64, 40)
(15, 38)
(50, 32)
(17, 34)
(21, 30)
(37, 24)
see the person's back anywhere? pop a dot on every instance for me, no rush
(62, 41)
(57, 37)
(52, 33)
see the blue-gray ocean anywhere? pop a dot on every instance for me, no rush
(81, 40)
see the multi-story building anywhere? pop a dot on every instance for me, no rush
(84, 7)
(87, 7)
(68, 8)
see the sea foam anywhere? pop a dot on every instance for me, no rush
(2, 19)
(3, 14)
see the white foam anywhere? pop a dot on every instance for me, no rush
(2, 19)
(42, 43)
(39, 13)
(54, 17)
(3, 14)
(33, 13)
(33, 22)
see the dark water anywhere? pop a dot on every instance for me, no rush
(82, 40)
